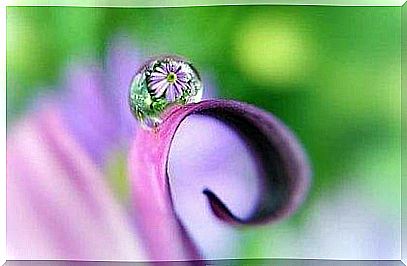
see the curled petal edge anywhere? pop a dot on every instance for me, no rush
(284, 165)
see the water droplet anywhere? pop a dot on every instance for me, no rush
(161, 83)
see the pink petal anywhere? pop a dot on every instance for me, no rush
(58, 204)
(282, 166)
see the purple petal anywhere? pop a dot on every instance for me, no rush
(162, 71)
(169, 67)
(170, 93)
(122, 60)
(177, 69)
(178, 90)
(159, 87)
(155, 80)
(182, 77)
(179, 84)
(107, 123)
(58, 204)
(156, 75)
(173, 92)
(282, 166)
(206, 153)
(86, 111)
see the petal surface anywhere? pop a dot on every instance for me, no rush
(86, 112)
(58, 204)
(122, 60)
(277, 160)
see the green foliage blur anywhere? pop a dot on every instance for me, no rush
(331, 73)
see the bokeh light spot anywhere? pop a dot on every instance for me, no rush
(274, 49)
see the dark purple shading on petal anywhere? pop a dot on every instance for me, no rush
(284, 168)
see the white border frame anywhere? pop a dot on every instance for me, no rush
(180, 3)
(125, 3)
(3, 131)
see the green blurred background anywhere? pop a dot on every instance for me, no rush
(331, 73)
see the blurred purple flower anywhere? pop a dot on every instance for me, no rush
(228, 162)
(59, 202)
